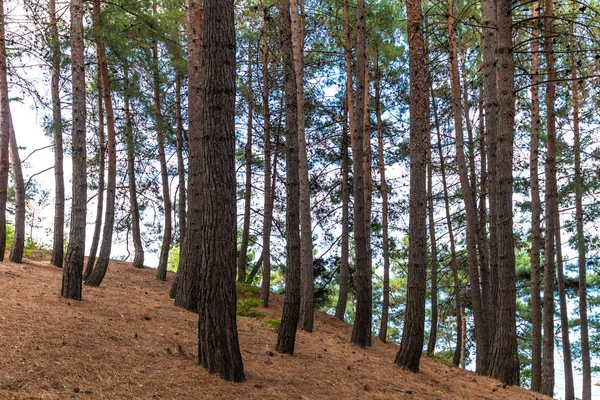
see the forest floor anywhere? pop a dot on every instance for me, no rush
(126, 340)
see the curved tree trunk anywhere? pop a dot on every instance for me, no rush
(18, 243)
(100, 199)
(413, 335)
(138, 258)
(99, 271)
(72, 272)
(4, 132)
(58, 240)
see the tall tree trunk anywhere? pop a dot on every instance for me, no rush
(138, 259)
(504, 359)
(99, 271)
(481, 342)
(161, 271)
(18, 243)
(368, 171)
(581, 246)
(536, 210)
(71, 281)
(453, 259)
(242, 259)
(361, 332)
(291, 307)
(180, 163)
(384, 213)
(100, 198)
(340, 309)
(4, 132)
(551, 197)
(268, 188)
(218, 348)
(58, 240)
(490, 92)
(413, 335)
(564, 314)
(307, 286)
(188, 272)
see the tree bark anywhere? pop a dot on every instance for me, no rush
(100, 198)
(138, 259)
(504, 359)
(180, 163)
(218, 347)
(58, 240)
(186, 284)
(18, 243)
(361, 331)
(72, 272)
(242, 259)
(481, 341)
(536, 210)
(411, 346)
(4, 132)
(453, 259)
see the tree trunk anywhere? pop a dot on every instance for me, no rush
(242, 259)
(291, 306)
(411, 346)
(481, 342)
(368, 172)
(268, 188)
(100, 198)
(218, 348)
(564, 316)
(453, 260)
(4, 132)
(536, 232)
(504, 362)
(361, 332)
(348, 124)
(71, 281)
(99, 271)
(161, 271)
(138, 259)
(186, 284)
(384, 214)
(180, 163)
(581, 246)
(551, 198)
(58, 240)
(18, 243)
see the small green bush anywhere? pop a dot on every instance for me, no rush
(274, 322)
(247, 291)
(245, 309)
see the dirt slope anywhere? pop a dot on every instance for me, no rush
(125, 340)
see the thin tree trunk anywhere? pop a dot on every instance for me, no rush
(551, 197)
(180, 163)
(99, 271)
(564, 315)
(581, 246)
(18, 243)
(348, 125)
(368, 171)
(504, 359)
(361, 332)
(453, 259)
(218, 347)
(138, 259)
(384, 214)
(58, 240)
(100, 198)
(481, 343)
(4, 132)
(161, 271)
(536, 231)
(291, 307)
(72, 272)
(243, 256)
(413, 335)
(266, 278)
(188, 272)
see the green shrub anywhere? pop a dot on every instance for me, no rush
(247, 291)
(274, 322)
(245, 308)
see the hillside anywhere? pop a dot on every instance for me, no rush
(126, 340)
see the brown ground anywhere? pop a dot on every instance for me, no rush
(126, 340)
